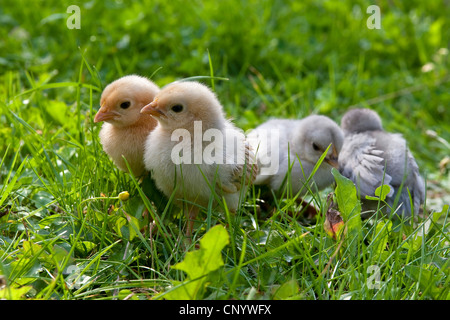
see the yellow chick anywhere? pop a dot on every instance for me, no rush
(195, 152)
(125, 129)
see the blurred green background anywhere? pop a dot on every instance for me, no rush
(282, 58)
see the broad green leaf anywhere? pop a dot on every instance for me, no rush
(9, 293)
(382, 191)
(348, 203)
(185, 291)
(133, 226)
(84, 247)
(120, 222)
(60, 255)
(428, 281)
(287, 290)
(437, 215)
(127, 226)
(25, 267)
(416, 241)
(209, 257)
(199, 263)
(30, 248)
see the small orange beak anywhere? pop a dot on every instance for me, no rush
(104, 115)
(332, 159)
(153, 109)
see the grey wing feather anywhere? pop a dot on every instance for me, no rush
(243, 168)
(362, 163)
(416, 187)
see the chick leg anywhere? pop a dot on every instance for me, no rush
(191, 216)
(310, 210)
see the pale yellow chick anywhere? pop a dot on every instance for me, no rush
(195, 152)
(125, 129)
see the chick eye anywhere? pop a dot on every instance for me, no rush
(125, 104)
(315, 147)
(177, 108)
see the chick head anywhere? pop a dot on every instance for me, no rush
(181, 103)
(315, 135)
(122, 100)
(360, 120)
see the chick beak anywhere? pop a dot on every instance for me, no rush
(332, 159)
(104, 115)
(153, 109)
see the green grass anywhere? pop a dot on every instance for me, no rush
(64, 232)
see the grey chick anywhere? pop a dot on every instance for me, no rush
(281, 143)
(371, 157)
(125, 129)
